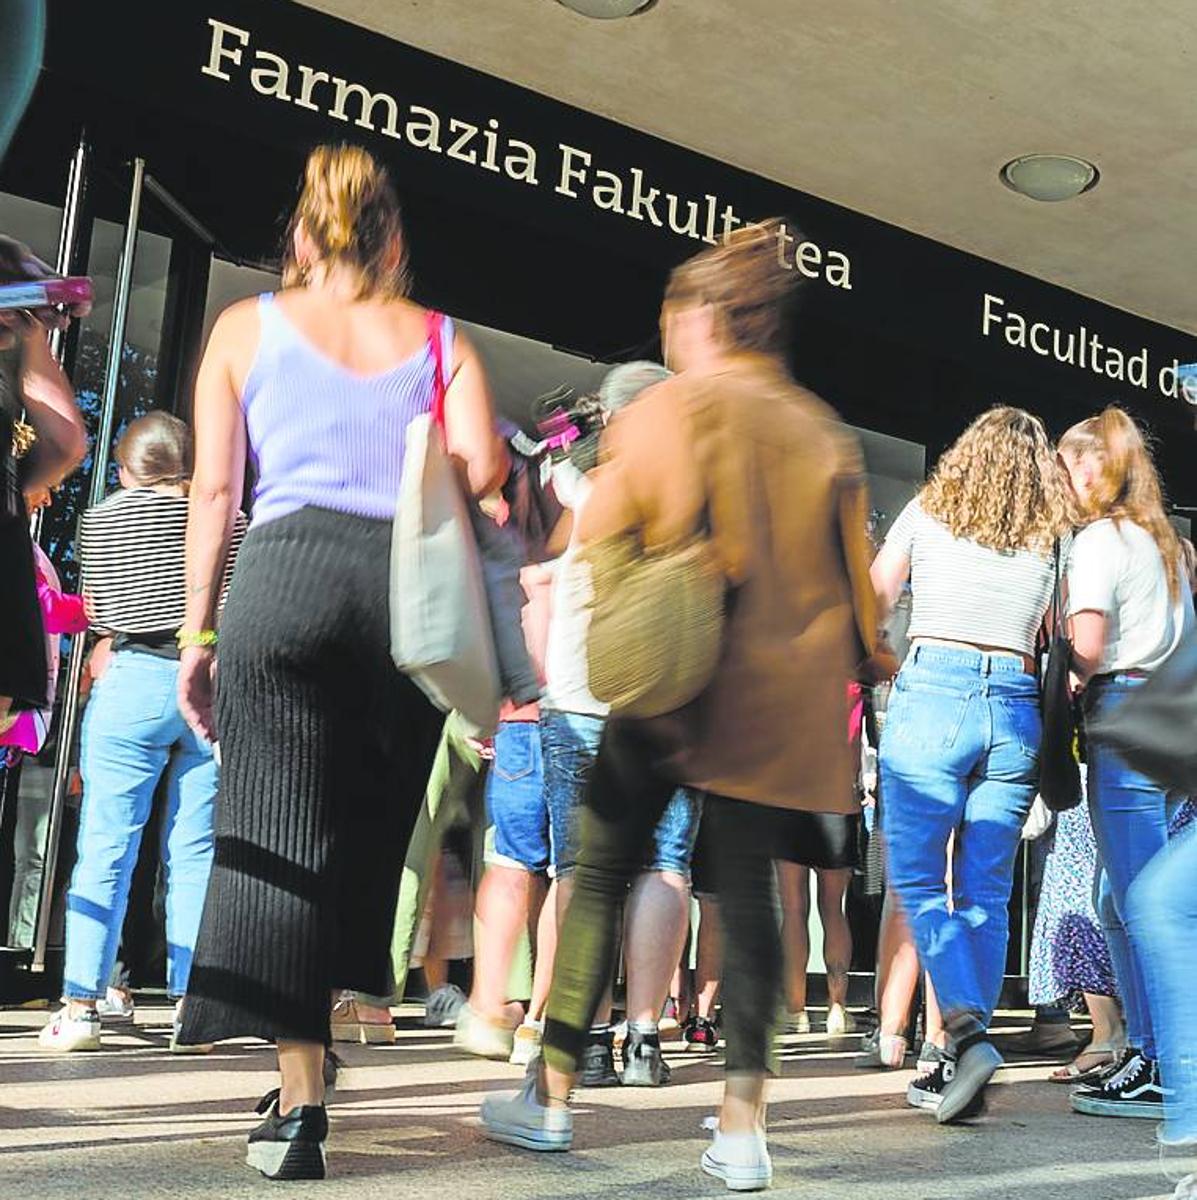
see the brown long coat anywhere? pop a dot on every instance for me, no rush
(787, 505)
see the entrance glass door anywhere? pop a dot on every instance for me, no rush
(136, 351)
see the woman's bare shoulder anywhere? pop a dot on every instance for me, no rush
(239, 322)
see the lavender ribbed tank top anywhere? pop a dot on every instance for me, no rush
(322, 435)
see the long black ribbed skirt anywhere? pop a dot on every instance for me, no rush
(325, 755)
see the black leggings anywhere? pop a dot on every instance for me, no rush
(626, 797)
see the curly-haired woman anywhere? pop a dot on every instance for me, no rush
(960, 752)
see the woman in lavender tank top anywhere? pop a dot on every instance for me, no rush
(325, 747)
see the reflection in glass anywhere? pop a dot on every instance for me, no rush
(139, 370)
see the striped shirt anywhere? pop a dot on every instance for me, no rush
(131, 553)
(966, 592)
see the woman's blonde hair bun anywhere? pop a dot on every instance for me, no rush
(349, 211)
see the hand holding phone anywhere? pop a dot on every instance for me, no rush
(71, 294)
(32, 294)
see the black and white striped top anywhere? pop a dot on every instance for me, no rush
(965, 592)
(131, 553)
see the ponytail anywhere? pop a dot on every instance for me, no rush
(349, 212)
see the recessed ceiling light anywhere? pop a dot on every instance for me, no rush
(608, 10)
(1050, 176)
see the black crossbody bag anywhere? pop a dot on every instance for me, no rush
(1155, 728)
(1059, 767)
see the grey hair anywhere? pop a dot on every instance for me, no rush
(625, 382)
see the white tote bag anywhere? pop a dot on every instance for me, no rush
(440, 622)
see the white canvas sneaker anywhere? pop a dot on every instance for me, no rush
(115, 1006)
(741, 1160)
(521, 1120)
(482, 1038)
(527, 1044)
(839, 1021)
(65, 1033)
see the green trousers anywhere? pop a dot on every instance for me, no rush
(456, 795)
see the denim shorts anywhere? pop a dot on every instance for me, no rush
(515, 800)
(571, 742)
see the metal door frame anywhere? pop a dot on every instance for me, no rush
(101, 453)
(186, 228)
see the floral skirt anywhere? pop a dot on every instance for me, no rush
(1068, 950)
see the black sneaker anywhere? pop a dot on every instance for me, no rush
(643, 1065)
(1109, 1071)
(1134, 1091)
(926, 1092)
(290, 1146)
(701, 1034)
(964, 1096)
(598, 1062)
(930, 1056)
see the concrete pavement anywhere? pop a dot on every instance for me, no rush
(133, 1122)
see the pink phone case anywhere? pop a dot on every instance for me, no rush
(46, 293)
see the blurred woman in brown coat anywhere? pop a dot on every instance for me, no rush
(781, 480)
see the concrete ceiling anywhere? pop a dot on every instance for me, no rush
(901, 110)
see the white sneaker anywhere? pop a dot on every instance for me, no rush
(478, 1036)
(442, 1007)
(839, 1021)
(115, 1006)
(521, 1120)
(65, 1033)
(741, 1160)
(527, 1044)
(1186, 1189)
(798, 1022)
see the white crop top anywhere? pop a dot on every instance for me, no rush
(965, 592)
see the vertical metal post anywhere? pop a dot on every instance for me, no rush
(99, 480)
(68, 234)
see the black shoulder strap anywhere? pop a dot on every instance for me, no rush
(1057, 598)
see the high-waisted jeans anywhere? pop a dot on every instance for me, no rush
(1162, 906)
(1130, 825)
(960, 754)
(133, 734)
(626, 798)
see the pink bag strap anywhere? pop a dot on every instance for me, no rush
(436, 338)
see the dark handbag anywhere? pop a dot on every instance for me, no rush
(1155, 727)
(1059, 769)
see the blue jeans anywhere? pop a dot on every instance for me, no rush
(571, 743)
(960, 754)
(133, 734)
(1130, 826)
(1162, 906)
(515, 799)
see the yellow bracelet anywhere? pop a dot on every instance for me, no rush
(197, 637)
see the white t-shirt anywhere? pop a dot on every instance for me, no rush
(567, 671)
(1116, 568)
(965, 592)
